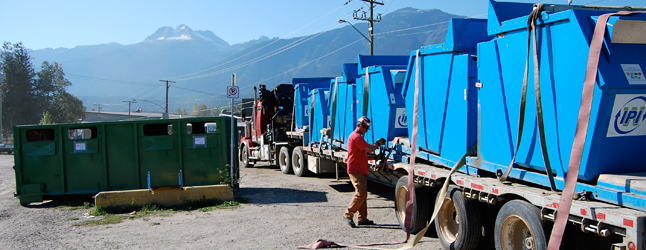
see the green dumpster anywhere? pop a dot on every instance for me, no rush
(87, 158)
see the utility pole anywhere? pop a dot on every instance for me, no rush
(129, 103)
(2, 78)
(99, 104)
(233, 126)
(372, 20)
(167, 81)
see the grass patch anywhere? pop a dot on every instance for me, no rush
(75, 205)
(111, 216)
(73, 218)
(97, 211)
(106, 220)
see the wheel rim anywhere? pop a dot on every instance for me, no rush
(402, 199)
(245, 157)
(283, 161)
(515, 234)
(448, 221)
(297, 162)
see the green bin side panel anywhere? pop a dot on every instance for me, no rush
(84, 168)
(40, 164)
(158, 155)
(205, 155)
(121, 154)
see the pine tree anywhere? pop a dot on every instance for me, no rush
(29, 97)
(20, 105)
(202, 110)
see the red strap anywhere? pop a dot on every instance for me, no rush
(581, 129)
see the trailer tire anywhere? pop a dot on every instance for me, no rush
(244, 157)
(285, 160)
(299, 164)
(458, 223)
(421, 205)
(519, 226)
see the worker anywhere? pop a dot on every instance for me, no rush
(357, 164)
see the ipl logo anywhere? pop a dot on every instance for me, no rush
(630, 116)
(402, 118)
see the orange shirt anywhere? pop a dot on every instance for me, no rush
(357, 155)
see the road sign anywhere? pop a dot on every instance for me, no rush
(233, 92)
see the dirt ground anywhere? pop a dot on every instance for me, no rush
(284, 212)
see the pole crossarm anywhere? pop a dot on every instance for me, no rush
(372, 20)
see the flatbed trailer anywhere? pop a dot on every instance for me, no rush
(577, 169)
(623, 224)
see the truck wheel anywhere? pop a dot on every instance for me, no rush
(244, 157)
(519, 226)
(299, 164)
(284, 160)
(458, 223)
(421, 205)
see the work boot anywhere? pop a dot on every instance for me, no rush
(366, 223)
(350, 222)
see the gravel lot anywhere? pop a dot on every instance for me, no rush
(284, 212)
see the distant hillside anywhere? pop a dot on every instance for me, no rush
(110, 73)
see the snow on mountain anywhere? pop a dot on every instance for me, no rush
(184, 33)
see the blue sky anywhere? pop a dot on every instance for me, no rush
(67, 23)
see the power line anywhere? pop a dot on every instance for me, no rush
(282, 38)
(371, 20)
(110, 80)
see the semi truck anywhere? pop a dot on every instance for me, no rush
(519, 169)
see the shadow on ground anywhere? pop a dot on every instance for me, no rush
(281, 195)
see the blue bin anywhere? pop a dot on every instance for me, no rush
(321, 116)
(346, 112)
(385, 103)
(302, 87)
(447, 108)
(615, 131)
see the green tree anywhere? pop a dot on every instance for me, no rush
(28, 96)
(178, 111)
(51, 88)
(47, 119)
(20, 104)
(195, 110)
(202, 110)
(184, 112)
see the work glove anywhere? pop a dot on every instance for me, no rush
(381, 142)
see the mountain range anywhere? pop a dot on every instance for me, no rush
(201, 63)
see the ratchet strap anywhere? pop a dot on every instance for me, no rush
(366, 94)
(537, 93)
(311, 116)
(333, 118)
(413, 153)
(411, 191)
(583, 121)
